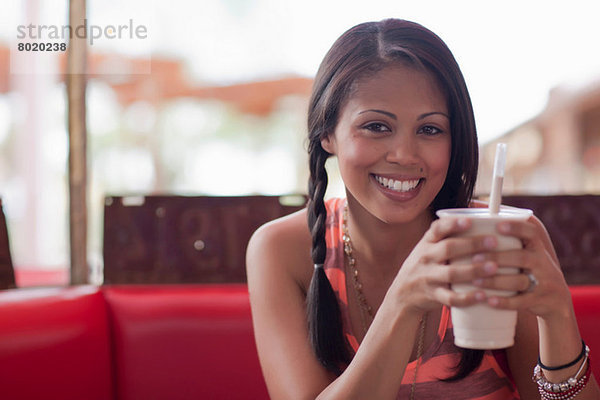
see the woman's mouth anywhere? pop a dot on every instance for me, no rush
(401, 186)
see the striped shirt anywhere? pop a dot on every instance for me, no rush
(488, 382)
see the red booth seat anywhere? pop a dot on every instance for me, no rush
(55, 344)
(128, 342)
(151, 342)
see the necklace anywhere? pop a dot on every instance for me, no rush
(365, 308)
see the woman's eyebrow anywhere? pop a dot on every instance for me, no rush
(393, 116)
(389, 114)
(422, 116)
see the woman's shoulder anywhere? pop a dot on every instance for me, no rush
(284, 245)
(288, 230)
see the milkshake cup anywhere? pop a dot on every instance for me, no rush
(481, 326)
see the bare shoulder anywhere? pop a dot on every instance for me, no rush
(281, 246)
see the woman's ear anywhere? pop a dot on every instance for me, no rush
(328, 144)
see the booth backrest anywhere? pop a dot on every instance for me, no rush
(573, 223)
(586, 301)
(184, 342)
(128, 343)
(54, 344)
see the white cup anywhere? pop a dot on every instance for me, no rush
(481, 326)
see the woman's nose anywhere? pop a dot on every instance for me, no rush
(403, 150)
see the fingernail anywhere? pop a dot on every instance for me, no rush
(489, 267)
(478, 282)
(504, 227)
(462, 223)
(477, 258)
(480, 296)
(493, 301)
(489, 242)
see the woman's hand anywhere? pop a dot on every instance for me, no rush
(548, 297)
(542, 287)
(424, 279)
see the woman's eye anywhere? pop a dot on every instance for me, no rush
(430, 130)
(377, 127)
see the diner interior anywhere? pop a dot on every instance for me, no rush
(132, 175)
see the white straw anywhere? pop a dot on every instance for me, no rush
(498, 178)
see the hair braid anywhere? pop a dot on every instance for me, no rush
(323, 311)
(316, 210)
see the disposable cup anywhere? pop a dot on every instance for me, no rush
(481, 326)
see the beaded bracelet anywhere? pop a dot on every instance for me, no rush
(565, 390)
(570, 393)
(575, 361)
(538, 376)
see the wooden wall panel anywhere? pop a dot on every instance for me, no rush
(573, 222)
(177, 239)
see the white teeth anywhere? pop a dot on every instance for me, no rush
(398, 186)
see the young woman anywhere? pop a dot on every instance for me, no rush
(354, 305)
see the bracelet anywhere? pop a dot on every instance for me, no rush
(540, 379)
(575, 361)
(568, 394)
(566, 390)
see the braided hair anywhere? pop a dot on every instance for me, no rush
(324, 318)
(362, 50)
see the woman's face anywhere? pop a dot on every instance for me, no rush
(393, 143)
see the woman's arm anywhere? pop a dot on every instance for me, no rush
(278, 312)
(522, 357)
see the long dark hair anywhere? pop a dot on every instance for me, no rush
(360, 51)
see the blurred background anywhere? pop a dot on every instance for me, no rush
(213, 100)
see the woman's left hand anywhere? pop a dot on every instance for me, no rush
(541, 286)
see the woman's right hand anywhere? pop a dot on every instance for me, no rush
(424, 280)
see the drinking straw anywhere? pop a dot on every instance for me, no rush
(498, 178)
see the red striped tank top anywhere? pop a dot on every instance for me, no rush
(488, 382)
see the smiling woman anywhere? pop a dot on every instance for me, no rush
(356, 304)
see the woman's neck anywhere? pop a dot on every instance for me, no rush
(380, 245)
